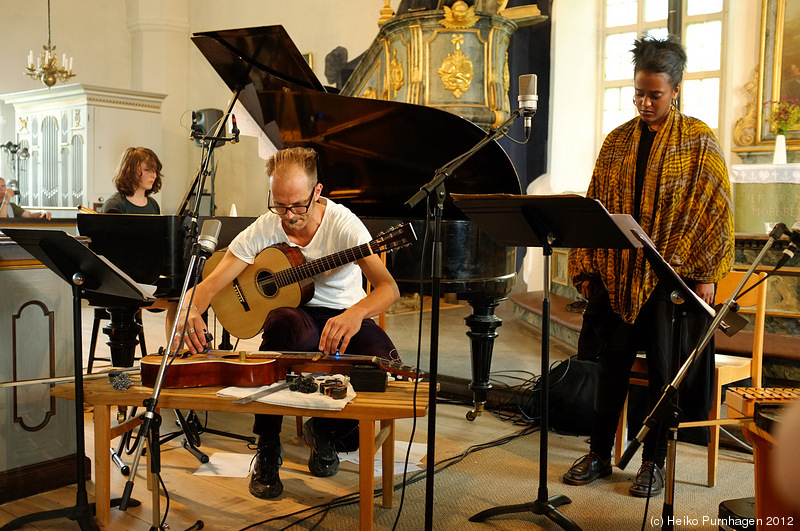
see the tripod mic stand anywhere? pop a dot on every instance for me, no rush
(665, 408)
(151, 420)
(436, 188)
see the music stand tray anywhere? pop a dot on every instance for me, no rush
(546, 221)
(90, 276)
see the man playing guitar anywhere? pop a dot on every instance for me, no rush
(336, 320)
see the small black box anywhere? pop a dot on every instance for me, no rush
(368, 378)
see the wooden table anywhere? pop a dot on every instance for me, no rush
(396, 403)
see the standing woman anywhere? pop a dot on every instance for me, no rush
(667, 170)
(138, 176)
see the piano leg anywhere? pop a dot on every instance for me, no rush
(123, 332)
(482, 325)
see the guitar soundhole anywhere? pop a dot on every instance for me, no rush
(266, 283)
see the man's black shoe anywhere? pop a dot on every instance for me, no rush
(265, 481)
(649, 480)
(586, 469)
(323, 461)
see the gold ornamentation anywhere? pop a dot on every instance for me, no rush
(396, 73)
(506, 76)
(369, 93)
(456, 71)
(76, 118)
(23, 124)
(459, 16)
(386, 13)
(744, 132)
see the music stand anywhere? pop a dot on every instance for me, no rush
(93, 279)
(546, 222)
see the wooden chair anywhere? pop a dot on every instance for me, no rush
(727, 368)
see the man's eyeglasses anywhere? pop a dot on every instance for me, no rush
(294, 209)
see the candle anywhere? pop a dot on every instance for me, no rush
(64, 60)
(30, 58)
(70, 64)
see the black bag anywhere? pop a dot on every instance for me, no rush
(572, 384)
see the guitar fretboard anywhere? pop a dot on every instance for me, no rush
(320, 265)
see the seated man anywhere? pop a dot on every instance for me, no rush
(13, 210)
(337, 319)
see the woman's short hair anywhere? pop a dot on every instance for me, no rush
(656, 56)
(306, 158)
(126, 178)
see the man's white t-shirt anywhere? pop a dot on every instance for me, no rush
(340, 229)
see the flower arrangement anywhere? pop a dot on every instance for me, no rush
(783, 114)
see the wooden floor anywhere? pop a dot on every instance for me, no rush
(225, 503)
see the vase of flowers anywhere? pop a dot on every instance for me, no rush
(782, 115)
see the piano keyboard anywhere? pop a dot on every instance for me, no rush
(744, 399)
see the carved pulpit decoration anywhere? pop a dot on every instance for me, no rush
(454, 59)
(456, 71)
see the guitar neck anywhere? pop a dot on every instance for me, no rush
(320, 265)
(346, 359)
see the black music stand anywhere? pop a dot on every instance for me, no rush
(546, 222)
(93, 279)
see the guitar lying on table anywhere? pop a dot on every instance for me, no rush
(280, 277)
(252, 369)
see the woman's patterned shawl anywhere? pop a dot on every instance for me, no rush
(686, 210)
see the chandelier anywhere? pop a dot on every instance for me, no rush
(47, 67)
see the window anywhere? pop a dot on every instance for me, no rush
(702, 30)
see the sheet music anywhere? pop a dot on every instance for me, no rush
(249, 127)
(147, 290)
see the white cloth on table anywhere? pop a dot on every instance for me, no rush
(288, 398)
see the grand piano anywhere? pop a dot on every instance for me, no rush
(373, 156)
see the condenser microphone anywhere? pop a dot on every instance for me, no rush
(794, 243)
(528, 100)
(209, 236)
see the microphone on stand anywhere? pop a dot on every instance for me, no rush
(234, 129)
(794, 243)
(208, 239)
(528, 100)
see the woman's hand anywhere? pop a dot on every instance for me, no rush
(705, 292)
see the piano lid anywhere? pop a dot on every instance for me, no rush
(374, 154)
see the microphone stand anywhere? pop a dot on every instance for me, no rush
(436, 187)
(151, 420)
(666, 409)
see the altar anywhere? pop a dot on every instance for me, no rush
(765, 194)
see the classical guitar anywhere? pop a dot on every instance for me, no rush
(280, 277)
(252, 369)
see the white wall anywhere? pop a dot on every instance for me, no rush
(122, 45)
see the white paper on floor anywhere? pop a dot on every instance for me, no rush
(418, 451)
(226, 464)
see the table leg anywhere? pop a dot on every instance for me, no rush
(387, 464)
(366, 472)
(102, 463)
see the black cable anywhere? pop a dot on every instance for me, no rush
(353, 498)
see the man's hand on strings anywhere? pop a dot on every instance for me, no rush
(338, 331)
(195, 328)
